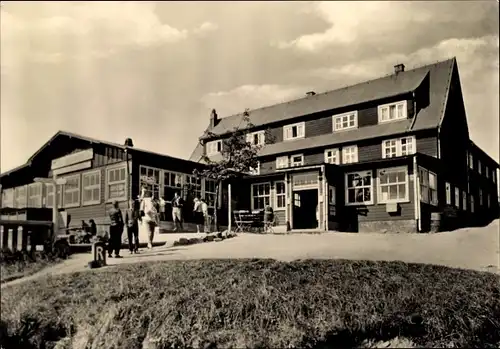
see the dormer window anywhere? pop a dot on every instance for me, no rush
(294, 131)
(392, 112)
(297, 160)
(256, 138)
(214, 147)
(345, 121)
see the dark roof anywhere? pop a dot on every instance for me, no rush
(88, 139)
(389, 86)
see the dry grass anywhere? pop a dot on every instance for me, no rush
(18, 265)
(254, 303)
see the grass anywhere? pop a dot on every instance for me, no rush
(17, 265)
(254, 303)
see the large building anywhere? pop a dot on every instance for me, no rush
(96, 175)
(390, 154)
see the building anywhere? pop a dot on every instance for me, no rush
(390, 154)
(96, 175)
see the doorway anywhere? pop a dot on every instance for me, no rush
(305, 203)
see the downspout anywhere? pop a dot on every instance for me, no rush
(416, 194)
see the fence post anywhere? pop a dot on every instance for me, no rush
(10, 237)
(20, 240)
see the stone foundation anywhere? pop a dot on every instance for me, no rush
(394, 227)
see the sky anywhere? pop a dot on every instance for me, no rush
(153, 71)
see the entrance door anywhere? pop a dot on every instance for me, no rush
(305, 203)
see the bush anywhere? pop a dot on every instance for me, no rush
(255, 303)
(17, 264)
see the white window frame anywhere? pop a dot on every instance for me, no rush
(471, 161)
(334, 158)
(387, 107)
(210, 203)
(124, 181)
(488, 200)
(294, 164)
(8, 197)
(448, 193)
(78, 191)
(479, 170)
(464, 200)
(472, 204)
(36, 198)
(212, 147)
(406, 198)
(277, 195)
(59, 192)
(428, 186)
(261, 136)
(91, 187)
(280, 162)
(400, 148)
(486, 171)
(369, 202)
(260, 196)
(22, 201)
(494, 175)
(332, 195)
(301, 131)
(353, 158)
(457, 197)
(350, 118)
(480, 197)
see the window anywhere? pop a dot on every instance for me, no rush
(359, 188)
(332, 156)
(480, 197)
(448, 193)
(479, 166)
(91, 190)
(332, 195)
(256, 138)
(464, 200)
(293, 131)
(428, 186)
(488, 200)
(393, 185)
(72, 191)
(116, 183)
(282, 162)
(35, 195)
(494, 176)
(193, 186)
(457, 197)
(398, 147)
(471, 161)
(20, 197)
(214, 147)
(296, 160)
(50, 195)
(345, 121)
(350, 154)
(487, 171)
(280, 195)
(261, 195)
(472, 205)
(8, 198)
(309, 179)
(210, 187)
(392, 111)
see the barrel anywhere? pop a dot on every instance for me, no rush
(435, 222)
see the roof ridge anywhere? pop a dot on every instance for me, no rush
(341, 88)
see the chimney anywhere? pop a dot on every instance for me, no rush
(399, 68)
(214, 120)
(310, 93)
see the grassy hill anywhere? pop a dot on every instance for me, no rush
(255, 303)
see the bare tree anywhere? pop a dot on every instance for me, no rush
(238, 157)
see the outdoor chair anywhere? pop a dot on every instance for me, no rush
(242, 220)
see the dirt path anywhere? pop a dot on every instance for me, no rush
(476, 249)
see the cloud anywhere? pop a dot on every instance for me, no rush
(251, 96)
(373, 22)
(205, 27)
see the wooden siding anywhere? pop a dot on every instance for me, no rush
(368, 117)
(317, 127)
(427, 144)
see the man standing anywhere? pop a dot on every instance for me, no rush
(177, 204)
(115, 230)
(149, 216)
(206, 216)
(162, 208)
(132, 218)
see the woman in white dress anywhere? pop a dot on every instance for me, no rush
(149, 215)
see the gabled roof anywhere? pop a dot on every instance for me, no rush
(389, 86)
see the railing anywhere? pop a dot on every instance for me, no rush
(24, 235)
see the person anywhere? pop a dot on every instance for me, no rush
(177, 204)
(132, 218)
(162, 208)
(198, 214)
(149, 216)
(206, 216)
(93, 228)
(268, 217)
(85, 226)
(115, 230)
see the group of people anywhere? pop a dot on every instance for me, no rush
(147, 210)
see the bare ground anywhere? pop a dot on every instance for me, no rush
(471, 248)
